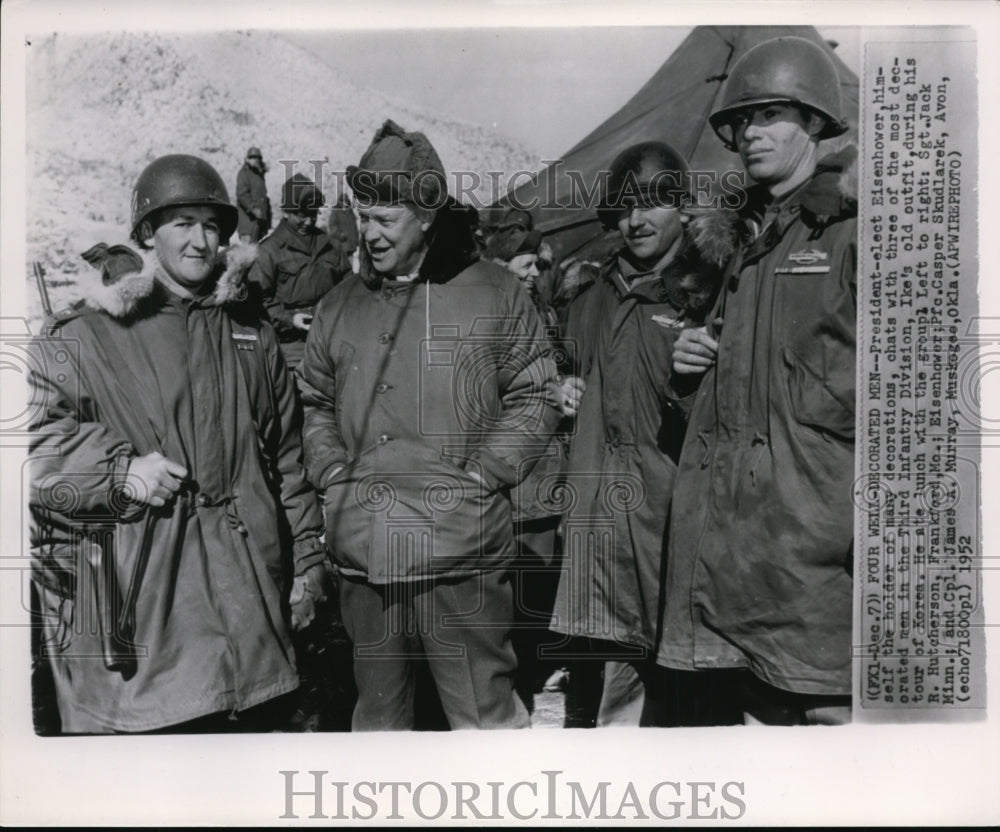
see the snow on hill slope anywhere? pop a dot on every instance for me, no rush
(100, 107)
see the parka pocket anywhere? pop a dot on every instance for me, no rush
(813, 403)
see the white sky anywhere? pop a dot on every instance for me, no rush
(525, 83)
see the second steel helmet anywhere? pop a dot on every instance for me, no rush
(782, 70)
(176, 180)
(644, 174)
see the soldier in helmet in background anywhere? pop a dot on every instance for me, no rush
(166, 467)
(251, 198)
(630, 426)
(761, 536)
(296, 265)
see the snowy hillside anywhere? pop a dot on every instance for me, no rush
(101, 107)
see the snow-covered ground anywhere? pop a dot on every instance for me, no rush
(101, 107)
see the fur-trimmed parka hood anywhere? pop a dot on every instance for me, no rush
(691, 281)
(123, 278)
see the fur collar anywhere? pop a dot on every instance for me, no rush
(832, 192)
(121, 295)
(691, 281)
(829, 195)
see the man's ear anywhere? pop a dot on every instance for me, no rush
(815, 124)
(427, 216)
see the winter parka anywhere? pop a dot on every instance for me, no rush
(137, 369)
(760, 547)
(409, 386)
(293, 272)
(628, 434)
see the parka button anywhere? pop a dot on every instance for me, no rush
(200, 500)
(384, 338)
(381, 387)
(242, 529)
(383, 439)
(387, 294)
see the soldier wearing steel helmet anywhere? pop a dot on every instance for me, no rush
(630, 424)
(296, 265)
(166, 469)
(761, 536)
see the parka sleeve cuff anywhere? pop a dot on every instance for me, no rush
(308, 552)
(497, 473)
(123, 491)
(320, 472)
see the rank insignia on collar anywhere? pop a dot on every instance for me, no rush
(807, 257)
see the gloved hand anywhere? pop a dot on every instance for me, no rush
(308, 590)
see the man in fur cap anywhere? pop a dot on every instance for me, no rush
(169, 501)
(630, 425)
(761, 538)
(428, 391)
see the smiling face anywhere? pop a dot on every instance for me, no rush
(525, 266)
(777, 143)
(302, 221)
(394, 237)
(649, 232)
(186, 241)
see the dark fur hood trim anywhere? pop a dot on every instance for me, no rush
(120, 295)
(691, 282)
(832, 193)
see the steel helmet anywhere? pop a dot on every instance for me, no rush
(648, 173)
(176, 180)
(783, 70)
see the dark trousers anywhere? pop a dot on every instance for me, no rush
(535, 575)
(461, 627)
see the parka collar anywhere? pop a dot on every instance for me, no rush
(830, 194)
(124, 296)
(711, 238)
(286, 237)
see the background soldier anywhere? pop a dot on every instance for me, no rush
(166, 467)
(342, 227)
(296, 265)
(426, 388)
(251, 198)
(761, 537)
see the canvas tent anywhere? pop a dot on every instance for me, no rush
(673, 105)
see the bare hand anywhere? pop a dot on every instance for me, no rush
(155, 479)
(570, 394)
(307, 590)
(694, 351)
(302, 320)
